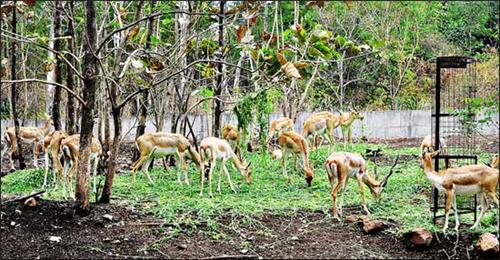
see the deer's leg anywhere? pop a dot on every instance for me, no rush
(212, 167)
(228, 176)
(283, 162)
(221, 172)
(334, 196)
(359, 177)
(145, 168)
(183, 167)
(493, 197)
(96, 163)
(344, 184)
(457, 221)
(449, 199)
(10, 152)
(484, 207)
(35, 152)
(46, 157)
(74, 165)
(349, 137)
(138, 164)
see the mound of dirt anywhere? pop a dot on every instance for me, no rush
(51, 230)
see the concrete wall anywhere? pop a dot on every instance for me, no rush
(379, 124)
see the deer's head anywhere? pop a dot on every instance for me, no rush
(377, 189)
(245, 170)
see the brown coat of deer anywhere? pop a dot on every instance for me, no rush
(466, 180)
(323, 124)
(29, 135)
(344, 165)
(291, 142)
(157, 145)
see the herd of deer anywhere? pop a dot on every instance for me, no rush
(59, 146)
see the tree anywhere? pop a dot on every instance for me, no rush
(14, 92)
(56, 112)
(91, 70)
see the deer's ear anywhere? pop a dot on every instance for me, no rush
(435, 153)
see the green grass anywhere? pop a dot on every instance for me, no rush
(405, 200)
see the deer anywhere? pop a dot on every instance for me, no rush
(70, 150)
(321, 123)
(495, 162)
(28, 135)
(428, 146)
(469, 180)
(345, 120)
(292, 142)
(345, 165)
(213, 149)
(161, 144)
(278, 126)
(231, 133)
(50, 149)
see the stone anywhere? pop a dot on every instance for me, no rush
(351, 219)
(107, 217)
(182, 246)
(31, 202)
(487, 245)
(421, 237)
(55, 239)
(364, 218)
(373, 226)
(294, 238)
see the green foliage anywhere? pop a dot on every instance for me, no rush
(404, 201)
(478, 111)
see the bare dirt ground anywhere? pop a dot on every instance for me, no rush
(26, 233)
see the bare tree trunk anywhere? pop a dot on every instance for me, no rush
(218, 88)
(70, 107)
(87, 123)
(56, 113)
(14, 93)
(143, 99)
(117, 122)
(51, 73)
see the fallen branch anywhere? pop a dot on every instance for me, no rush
(233, 257)
(25, 197)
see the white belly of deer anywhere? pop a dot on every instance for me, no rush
(162, 151)
(27, 141)
(467, 189)
(353, 172)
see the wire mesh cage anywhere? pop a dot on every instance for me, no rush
(452, 123)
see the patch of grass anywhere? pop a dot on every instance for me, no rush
(406, 199)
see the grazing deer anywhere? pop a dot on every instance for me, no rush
(278, 126)
(344, 165)
(321, 123)
(51, 148)
(232, 135)
(157, 145)
(213, 148)
(428, 146)
(466, 180)
(345, 120)
(70, 150)
(291, 142)
(28, 135)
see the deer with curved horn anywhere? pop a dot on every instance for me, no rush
(344, 165)
(466, 180)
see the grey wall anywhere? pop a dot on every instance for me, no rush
(380, 124)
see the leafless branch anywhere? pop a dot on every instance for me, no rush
(47, 82)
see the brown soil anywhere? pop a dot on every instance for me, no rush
(26, 232)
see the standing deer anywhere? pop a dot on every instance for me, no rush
(29, 135)
(428, 146)
(291, 142)
(345, 121)
(157, 145)
(51, 147)
(278, 126)
(344, 165)
(321, 123)
(70, 150)
(213, 149)
(466, 180)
